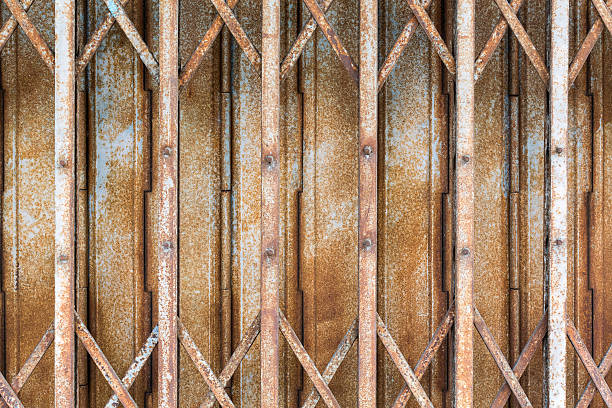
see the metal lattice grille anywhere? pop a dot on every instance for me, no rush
(286, 60)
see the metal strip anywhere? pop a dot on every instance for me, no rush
(368, 234)
(402, 365)
(307, 363)
(168, 208)
(65, 122)
(270, 215)
(464, 257)
(557, 280)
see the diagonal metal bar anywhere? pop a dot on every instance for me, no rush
(203, 367)
(243, 347)
(8, 394)
(298, 46)
(332, 37)
(133, 36)
(521, 363)
(588, 362)
(398, 48)
(134, 369)
(206, 42)
(30, 364)
(16, 8)
(523, 38)
(102, 362)
(500, 360)
(604, 13)
(401, 364)
(428, 354)
(307, 362)
(586, 47)
(493, 42)
(589, 391)
(433, 34)
(334, 363)
(11, 24)
(96, 39)
(238, 32)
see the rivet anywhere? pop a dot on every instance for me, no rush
(63, 258)
(558, 242)
(465, 252)
(167, 246)
(559, 150)
(167, 151)
(367, 151)
(367, 244)
(63, 163)
(269, 252)
(465, 159)
(269, 159)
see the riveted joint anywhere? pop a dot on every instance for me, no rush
(269, 252)
(167, 246)
(269, 160)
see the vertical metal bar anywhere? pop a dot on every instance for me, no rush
(464, 279)
(168, 209)
(270, 179)
(557, 280)
(368, 156)
(65, 139)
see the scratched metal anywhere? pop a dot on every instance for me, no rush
(219, 200)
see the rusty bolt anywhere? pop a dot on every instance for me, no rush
(167, 151)
(269, 159)
(167, 246)
(465, 251)
(367, 244)
(465, 159)
(269, 252)
(559, 150)
(63, 258)
(367, 151)
(558, 242)
(63, 163)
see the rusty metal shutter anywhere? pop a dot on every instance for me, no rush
(302, 203)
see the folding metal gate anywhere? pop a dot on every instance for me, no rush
(325, 238)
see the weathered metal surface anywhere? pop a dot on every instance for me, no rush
(65, 211)
(367, 238)
(465, 157)
(167, 239)
(557, 239)
(118, 183)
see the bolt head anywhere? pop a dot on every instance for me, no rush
(167, 151)
(269, 252)
(367, 244)
(465, 251)
(167, 246)
(465, 159)
(63, 163)
(559, 150)
(269, 159)
(367, 151)
(558, 242)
